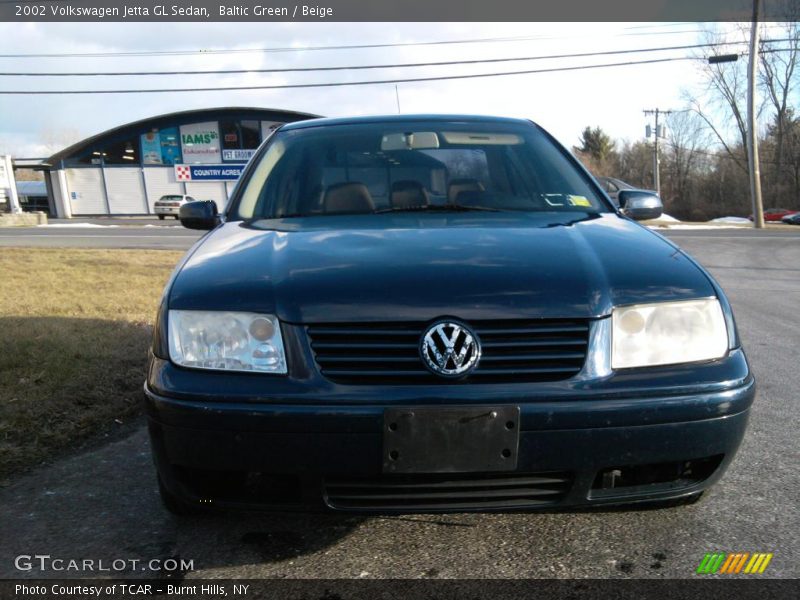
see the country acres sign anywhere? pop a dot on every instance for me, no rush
(208, 172)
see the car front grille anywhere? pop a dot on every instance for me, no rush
(448, 492)
(512, 351)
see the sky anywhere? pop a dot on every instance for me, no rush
(563, 102)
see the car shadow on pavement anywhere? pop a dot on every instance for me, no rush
(76, 474)
(103, 504)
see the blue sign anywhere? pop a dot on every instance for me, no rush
(170, 146)
(215, 172)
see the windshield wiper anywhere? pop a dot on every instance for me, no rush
(438, 208)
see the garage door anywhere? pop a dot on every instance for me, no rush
(86, 193)
(208, 190)
(125, 191)
(160, 181)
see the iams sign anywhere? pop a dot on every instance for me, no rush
(202, 137)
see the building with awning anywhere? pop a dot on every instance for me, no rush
(124, 170)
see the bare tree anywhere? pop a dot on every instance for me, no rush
(722, 103)
(779, 83)
(636, 163)
(58, 138)
(685, 156)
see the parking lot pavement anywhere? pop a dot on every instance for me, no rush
(103, 503)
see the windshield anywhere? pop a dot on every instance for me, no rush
(429, 165)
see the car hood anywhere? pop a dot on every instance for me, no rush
(419, 266)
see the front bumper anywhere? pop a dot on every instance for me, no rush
(611, 449)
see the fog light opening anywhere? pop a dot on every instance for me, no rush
(658, 475)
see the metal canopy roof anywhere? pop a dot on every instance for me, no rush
(176, 118)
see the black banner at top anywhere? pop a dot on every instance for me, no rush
(385, 10)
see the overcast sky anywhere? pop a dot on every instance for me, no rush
(564, 103)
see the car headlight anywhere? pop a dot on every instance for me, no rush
(667, 333)
(227, 341)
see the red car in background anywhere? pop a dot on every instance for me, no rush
(775, 214)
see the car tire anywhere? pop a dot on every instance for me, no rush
(160, 217)
(175, 505)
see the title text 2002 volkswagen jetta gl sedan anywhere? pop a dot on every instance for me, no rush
(430, 313)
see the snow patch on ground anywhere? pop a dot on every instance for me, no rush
(76, 225)
(667, 218)
(694, 227)
(731, 220)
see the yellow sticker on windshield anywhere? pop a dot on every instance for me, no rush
(579, 200)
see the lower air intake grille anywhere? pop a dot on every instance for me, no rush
(448, 492)
(535, 350)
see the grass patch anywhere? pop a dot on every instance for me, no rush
(75, 327)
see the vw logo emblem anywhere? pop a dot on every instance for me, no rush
(450, 349)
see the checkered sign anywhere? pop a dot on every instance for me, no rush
(183, 173)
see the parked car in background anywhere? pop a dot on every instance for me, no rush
(775, 215)
(792, 219)
(429, 313)
(614, 186)
(170, 205)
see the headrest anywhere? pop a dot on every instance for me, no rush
(462, 185)
(407, 194)
(349, 197)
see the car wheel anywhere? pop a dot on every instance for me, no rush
(160, 217)
(175, 505)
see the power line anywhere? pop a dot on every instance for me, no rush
(279, 49)
(363, 67)
(356, 83)
(347, 83)
(271, 49)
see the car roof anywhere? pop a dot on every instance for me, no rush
(402, 119)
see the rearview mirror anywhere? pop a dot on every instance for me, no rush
(199, 214)
(640, 205)
(411, 140)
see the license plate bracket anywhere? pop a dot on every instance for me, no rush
(450, 439)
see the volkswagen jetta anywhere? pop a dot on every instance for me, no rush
(435, 313)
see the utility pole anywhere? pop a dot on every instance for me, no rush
(8, 182)
(656, 177)
(397, 96)
(752, 134)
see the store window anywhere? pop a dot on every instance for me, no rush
(229, 130)
(125, 152)
(251, 135)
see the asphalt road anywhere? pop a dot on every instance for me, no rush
(106, 233)
(151, 233)
(103, 503)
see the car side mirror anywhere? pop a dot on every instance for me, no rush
(640, 205)
(199, 214)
